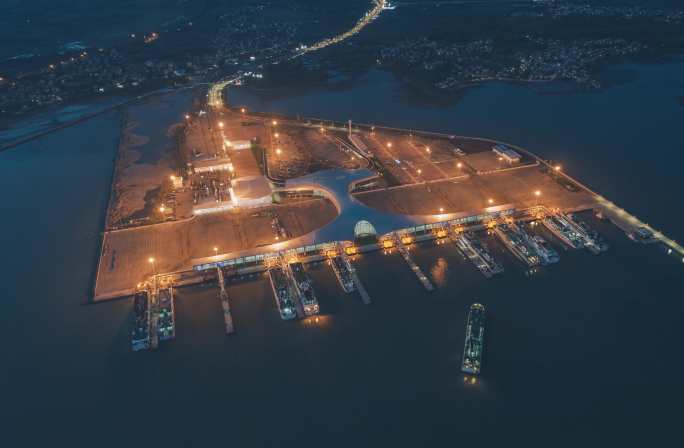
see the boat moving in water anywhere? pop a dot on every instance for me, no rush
(474, 340)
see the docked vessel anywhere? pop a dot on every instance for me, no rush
(563, 229)
(547, 253)
(474, 340)
(643, 235)
(140, 333)
(473, 249)
(166, 324)
(305, 289)
(518, 242)
(281, 292)
(343, 273)
(594, 242)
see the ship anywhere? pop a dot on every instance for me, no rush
(547, 253)
(343, 272)
(473, 249)
(594, 242)
(306, 292)
(474, 340)
(140, 333)
(281, 292)
(564, 231)
(166, 325)
(518, 242)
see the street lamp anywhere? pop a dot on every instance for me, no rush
(491, 201)
(557, 168)
(459, 165)
(242, 110)
(441, 209)
(162, 208)
(278, 151)
(220, 124)
(419, 171)
(427, 149)
(274, 123)
(389, 144)
(537, 193)
(215, 250)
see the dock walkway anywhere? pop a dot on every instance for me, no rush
(225, 304)
(403, 250)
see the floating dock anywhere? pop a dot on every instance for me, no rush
(519, 243)
(304, 287)
(403, 250)
(343, 272)
(282, 293)
(225, 304)
(472, 248)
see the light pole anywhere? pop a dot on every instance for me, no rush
(537, 194)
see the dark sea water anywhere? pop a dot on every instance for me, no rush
(584, 353)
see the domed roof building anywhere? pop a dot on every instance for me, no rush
(365, 233)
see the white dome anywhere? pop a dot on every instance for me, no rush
(364, 229)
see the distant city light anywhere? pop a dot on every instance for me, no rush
(389, 144)
(557, 168)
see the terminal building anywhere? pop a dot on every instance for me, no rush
(506, 154)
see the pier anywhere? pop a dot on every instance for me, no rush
(403, 250)
(225, 304)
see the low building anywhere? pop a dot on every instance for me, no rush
(506, 153)
(211, 164)
(251, 191)
(237, 144)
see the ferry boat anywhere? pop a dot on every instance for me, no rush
(305, 289)
(595, 243)
(517, 242)
(343, 273)
(547, 253)
(643, 235)
(564, 231)
(473, 249)
(166, 326)
(140, 333)
(474, 340)
(281, 292)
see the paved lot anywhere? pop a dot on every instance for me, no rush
(473, 193)
(124, 261)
